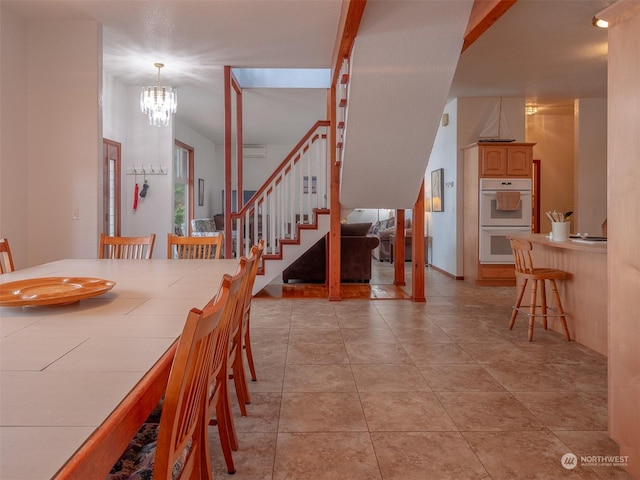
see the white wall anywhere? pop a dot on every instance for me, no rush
(147, 145)
(64, 140)
(467, 118)
(443, 226)
(144, 145)
(554, 147)
(207, 165)
(13, 136)
(590, 165)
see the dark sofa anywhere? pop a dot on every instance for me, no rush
(384, 229)
(356, 246)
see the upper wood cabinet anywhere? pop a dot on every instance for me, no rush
(512, 160)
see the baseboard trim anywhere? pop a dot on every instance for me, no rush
(444, 272)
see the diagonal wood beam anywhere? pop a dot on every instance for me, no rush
(484, 13)
(349, 23)
(350, 18)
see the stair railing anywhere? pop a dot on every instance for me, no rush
(290, 196)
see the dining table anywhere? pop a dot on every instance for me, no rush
(78, 378)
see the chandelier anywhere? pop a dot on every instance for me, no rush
(158, 102)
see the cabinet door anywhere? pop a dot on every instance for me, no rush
(493, 162)
(519, 162)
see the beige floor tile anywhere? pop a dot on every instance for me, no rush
(316, 353)
(559, 351)
(370, 336)
(586, 377)
(567, 410)
(422, 336)
(488, 411)
(497, 353)
(314, 320)
(262, 413)
(270, 378)
(518, 377)
(405, 412)
(396, 390)
(437, 354)
(253, 460)
(315, 335)
(473, 334)
(321, 412)
(377, 353)
(269, 336)
(325, 456)
(359, 320)
(524, 456)
(460, 378)
(269, 354)
(590, 444)
(388, 378)
(426, 455)
(269, 320)
(319, 378)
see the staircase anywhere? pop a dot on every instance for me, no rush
(290, 211)
(392, 90)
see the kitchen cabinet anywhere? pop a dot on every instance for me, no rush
(512, 160)
(489, 160)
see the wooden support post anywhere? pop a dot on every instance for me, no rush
(398, 249)
(333, 240)
(418, 260)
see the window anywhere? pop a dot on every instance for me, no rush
(182, 188)
(111, 187)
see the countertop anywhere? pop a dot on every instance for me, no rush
(543, 239)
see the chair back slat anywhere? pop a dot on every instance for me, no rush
(195, 248)
(126, 247)
(6, 260)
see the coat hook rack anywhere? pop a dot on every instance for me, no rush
(147, 170)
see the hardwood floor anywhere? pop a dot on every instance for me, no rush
(381, 287)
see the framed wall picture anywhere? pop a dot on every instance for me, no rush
(200, 192)
(437, 190)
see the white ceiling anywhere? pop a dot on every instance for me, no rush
(545, 50)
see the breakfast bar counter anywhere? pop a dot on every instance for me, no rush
(584, 292)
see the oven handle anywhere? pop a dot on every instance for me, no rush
(493, 192)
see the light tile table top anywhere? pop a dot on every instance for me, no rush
(63, 369)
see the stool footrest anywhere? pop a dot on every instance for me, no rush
(522, 308)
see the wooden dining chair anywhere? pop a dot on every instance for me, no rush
(246, 318)
(194, 247)
(173, 449)
(6, 260)
(525, 273)
(126, 247)
(236, 356)
(218, 401)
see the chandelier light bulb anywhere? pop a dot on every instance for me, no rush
(158, 102)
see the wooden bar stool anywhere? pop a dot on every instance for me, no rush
(525, 271)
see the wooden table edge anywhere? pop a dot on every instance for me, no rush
(96, 457)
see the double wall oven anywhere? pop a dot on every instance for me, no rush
(505, 209)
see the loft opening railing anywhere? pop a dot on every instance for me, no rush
(290, 197)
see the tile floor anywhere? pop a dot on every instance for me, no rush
(394, 390)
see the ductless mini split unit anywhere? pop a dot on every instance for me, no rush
(254, 151)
